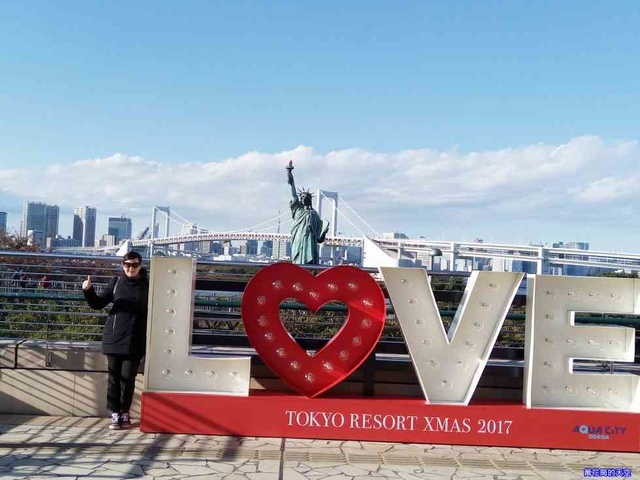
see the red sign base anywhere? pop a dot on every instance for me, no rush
(383, 419)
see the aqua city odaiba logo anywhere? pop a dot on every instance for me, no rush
(599, 432)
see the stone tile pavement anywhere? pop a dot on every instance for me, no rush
(42, 448)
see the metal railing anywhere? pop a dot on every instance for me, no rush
(54, 309)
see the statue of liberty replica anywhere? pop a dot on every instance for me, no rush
(308, 230)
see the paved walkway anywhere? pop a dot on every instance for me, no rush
(43, 448)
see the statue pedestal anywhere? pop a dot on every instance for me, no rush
(383, 419)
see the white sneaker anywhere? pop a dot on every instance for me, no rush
(114, 424)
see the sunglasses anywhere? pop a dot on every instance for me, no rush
(131, 264)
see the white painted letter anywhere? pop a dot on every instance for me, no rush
(449, 366)
(553, 341)
(169, 367)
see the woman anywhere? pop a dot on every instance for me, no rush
(124, 334)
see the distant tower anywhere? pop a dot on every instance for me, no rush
(281, 248)
(84, 225)
(275, 249)
(3, 222)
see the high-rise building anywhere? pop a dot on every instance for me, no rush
(190, 229)
(281, 249)
(51, 220)
(120, 228)
(34, 222)
(354, 255)
(266, 248)
(211, 247)
(252, 247)
(84, 225)
(3, 222)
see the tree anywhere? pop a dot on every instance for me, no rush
(13, 241)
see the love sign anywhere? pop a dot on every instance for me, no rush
(185, 392)
(448, 364)
(313, 375)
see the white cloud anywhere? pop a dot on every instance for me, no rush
(608, 190)
(449, 192)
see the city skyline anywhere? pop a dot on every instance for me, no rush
(121, 227)
(514, 123)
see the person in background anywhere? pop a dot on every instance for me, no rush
(124, 334)
(44, 283)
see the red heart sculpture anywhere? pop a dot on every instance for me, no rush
(353, 343)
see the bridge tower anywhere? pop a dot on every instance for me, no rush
(154, 227)
(333, 226)
(167, 216)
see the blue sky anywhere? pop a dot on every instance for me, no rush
(203, 83)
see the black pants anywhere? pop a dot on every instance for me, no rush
(122, 381)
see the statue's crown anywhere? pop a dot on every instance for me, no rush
(303, 192)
